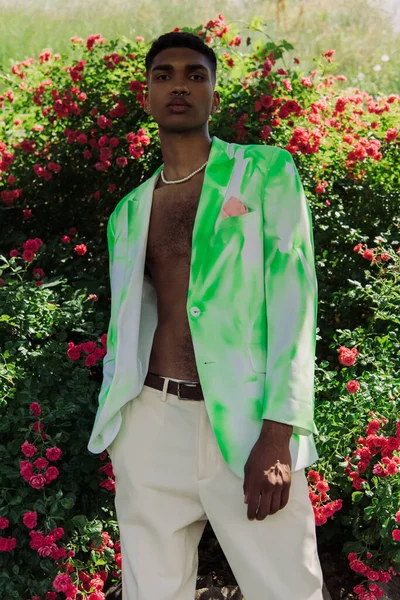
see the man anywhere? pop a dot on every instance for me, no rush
(207, 398)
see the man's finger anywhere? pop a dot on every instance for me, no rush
(285, 495)
(275, 500)
(252, 504)
(265, 506)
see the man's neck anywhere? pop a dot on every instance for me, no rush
(183, 153)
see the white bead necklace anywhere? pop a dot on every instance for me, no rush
(185, 178)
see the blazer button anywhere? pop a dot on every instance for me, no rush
(195, 311)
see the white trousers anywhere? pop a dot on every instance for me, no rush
(170, 479)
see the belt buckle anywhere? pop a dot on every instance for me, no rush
(179, 389)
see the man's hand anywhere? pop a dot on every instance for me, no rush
(267, 472)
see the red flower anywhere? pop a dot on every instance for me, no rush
(38, 273)
(368, 254)
(80, 249)
(28, 449)
(88, 347)
(352, 386)
(53, 453)
(74, 352)
(35, 408)
(30, 519)
(7, 544)
(347, 356)
(90, 360)
(121, 161)
(391, 135)
(37, 481)
(373, 427)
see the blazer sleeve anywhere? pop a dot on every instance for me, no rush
(109, 357)
(291, 293)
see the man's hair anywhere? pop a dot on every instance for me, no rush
(181, 39)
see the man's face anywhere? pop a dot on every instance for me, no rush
(172, 76)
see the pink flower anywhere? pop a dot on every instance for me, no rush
(65, 239)
(96, 596)
(97, 583)
(30, 519)
(62, 582)
(13, 253)
(37, 481)
(103, 340)
(4, 523)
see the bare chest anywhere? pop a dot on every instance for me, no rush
(172, 217)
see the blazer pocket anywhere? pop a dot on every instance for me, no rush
(238, 221)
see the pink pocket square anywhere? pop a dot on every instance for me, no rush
(234, 208)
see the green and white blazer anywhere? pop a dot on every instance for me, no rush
(251, 304)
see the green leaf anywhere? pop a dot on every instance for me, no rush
(357, 496)
(67, 503)
(80, 522)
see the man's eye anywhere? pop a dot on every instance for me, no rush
(194, 75)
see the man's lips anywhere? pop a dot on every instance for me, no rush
(178, 103)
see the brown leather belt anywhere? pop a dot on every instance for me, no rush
(191, 390)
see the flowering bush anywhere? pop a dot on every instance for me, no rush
(74, 139)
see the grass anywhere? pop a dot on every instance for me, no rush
(361, 32)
